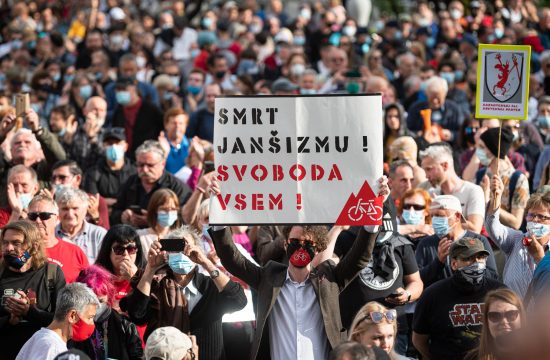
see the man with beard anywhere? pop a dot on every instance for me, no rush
(448, 317)
(134, 195)
(25, 150)
(298, 311)
(437, 161)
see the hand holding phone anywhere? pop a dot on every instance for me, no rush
(136, 209)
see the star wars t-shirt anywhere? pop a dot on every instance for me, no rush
(452, 317)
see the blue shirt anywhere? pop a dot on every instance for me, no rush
(177, 156)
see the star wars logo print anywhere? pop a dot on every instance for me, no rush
(375, 282)
(466, 314)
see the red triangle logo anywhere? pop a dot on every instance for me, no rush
(363, 209)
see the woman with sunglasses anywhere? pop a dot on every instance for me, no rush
(121, 253)
(414, 214)
(376, 325)
(114, 337)
(503, 315)
(162, 217)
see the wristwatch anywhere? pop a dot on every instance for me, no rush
(214, 274)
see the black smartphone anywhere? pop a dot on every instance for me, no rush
(209, 167)
(136, 209)
(394, 295)
(172, 245)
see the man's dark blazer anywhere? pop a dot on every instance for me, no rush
(328, 281)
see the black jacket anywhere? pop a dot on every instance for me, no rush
(148, 125)
(123, 342)
(133, 193)
(101, 179)
(165, 308)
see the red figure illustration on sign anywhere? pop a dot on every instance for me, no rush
(363, 209)
(504, 71)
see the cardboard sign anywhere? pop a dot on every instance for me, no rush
(298, 159)
(503, 81)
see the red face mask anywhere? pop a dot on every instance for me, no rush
(82, 330)
(300, 258)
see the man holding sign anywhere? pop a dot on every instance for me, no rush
(298, 310)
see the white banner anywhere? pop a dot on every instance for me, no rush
(303, 159)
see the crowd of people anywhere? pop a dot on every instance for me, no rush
(114, 150)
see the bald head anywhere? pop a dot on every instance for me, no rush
(377, 84)
(97, 106)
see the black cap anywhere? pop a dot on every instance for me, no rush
(490, 138)
(116, 133)
(73, 354)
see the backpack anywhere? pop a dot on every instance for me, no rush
(511, 186)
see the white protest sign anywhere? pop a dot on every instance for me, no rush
(503, 81)
(303, 159)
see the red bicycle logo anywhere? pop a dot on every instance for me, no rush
(365, 208)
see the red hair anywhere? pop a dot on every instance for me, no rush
(100, 281)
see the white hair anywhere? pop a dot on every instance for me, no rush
(439, 153)
(75, 296)
(403, 56)
(27, 132)
(437, 84)
(69, 195)
(184, 232)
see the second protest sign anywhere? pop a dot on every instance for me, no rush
(303, 159)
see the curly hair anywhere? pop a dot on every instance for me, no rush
(33, 241)
(318, 233)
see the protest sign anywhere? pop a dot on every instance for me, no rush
(503, 81)
(298, 159)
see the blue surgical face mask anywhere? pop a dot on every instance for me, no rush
(195, 53)
(349, 31)
(180, 264)
(413, 217)
(167, 218)
(537, 230)
(499, 33)
(167, 96)
(543, 121)
(59, 187)
(430, 42)
(308, 91)
(123, 97)
(441, 225)
(86, 91)
(62, 132)
(299, 40)
(114, 153)
(25, 199)
(448, 76)
(194, 90)
(483, 157)
(459, 75)
(205, 232)
(206, 22)
(56, 77)
(67, 78)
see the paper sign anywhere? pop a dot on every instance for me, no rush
(298, 159)
(503, 81)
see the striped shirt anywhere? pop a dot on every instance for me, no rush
(519, 266)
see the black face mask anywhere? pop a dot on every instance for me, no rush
(17, 262)
(219, 74)
(293, 247)
(472, 87)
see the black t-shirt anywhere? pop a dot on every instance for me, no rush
(368, 287)
(452, 317)
(14, 336)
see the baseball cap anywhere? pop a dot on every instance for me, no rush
(283, 84)
(447, 202)
(167, 343)
(466, 247)
(72, 354)
(116, 133)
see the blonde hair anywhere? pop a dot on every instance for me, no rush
(33, 241)
(362, 321)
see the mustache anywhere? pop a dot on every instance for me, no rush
(145, 174)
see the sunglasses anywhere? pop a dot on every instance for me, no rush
(42, 215)
(495, 316)
(302, 242)
(377, 316)
(414, 206)
(119, 249)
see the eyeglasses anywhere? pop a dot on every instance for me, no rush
(417, 207)
(42, 215)
(495, 316)
(119, 249)
(191, 353)
(142, 165)
(302, 242)
(531, 217)
(377, 316)
(60, 177)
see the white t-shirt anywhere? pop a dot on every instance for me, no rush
(471, 199)
(43, 345)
